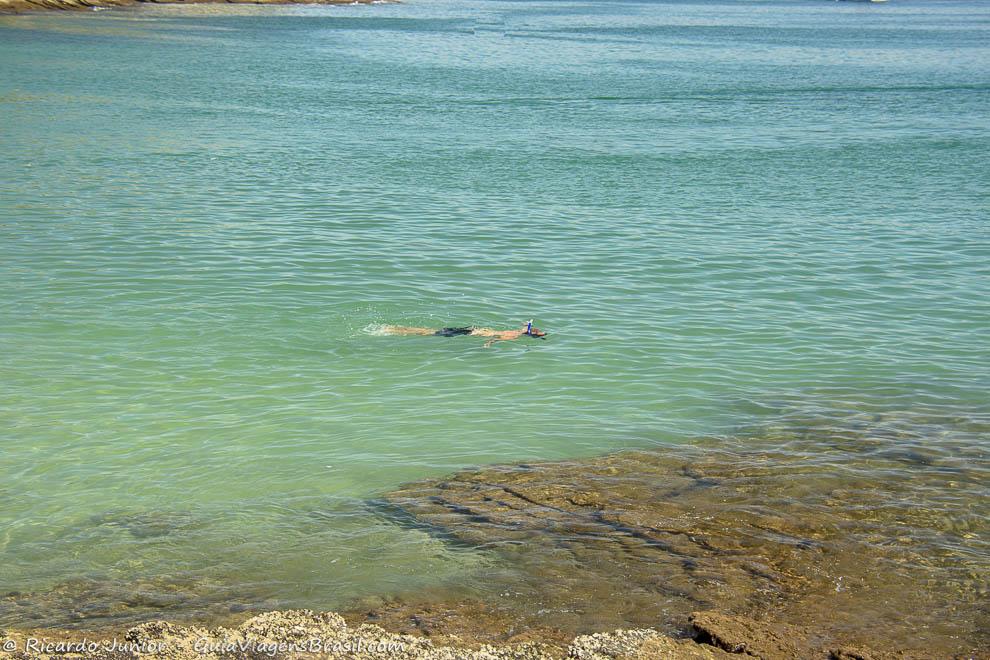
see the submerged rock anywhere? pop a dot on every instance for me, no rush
(148, 524)
(856, 547)
(94, 603)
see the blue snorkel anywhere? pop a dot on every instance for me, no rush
(529, 331)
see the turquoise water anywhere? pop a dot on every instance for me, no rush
(724, 214)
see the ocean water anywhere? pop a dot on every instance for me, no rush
(728, 216)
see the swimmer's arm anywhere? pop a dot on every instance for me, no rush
(503, 336)
(487, 332)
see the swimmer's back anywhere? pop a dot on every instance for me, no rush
(453, 332)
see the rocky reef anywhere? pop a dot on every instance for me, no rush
(853, 541)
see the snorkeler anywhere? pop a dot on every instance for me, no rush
(495, 335)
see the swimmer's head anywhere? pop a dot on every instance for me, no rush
(534, 332)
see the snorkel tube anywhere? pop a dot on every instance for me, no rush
(529, 331)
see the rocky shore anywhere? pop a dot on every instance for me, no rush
(25, 6)
(849, 538)
(797, 544)
(306, 634)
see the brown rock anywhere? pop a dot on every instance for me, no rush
(740, 635)
(643, 538)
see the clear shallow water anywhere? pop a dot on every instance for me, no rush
(723, 214)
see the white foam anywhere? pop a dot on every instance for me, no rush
(378, 330)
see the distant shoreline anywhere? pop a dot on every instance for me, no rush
(36, 6)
